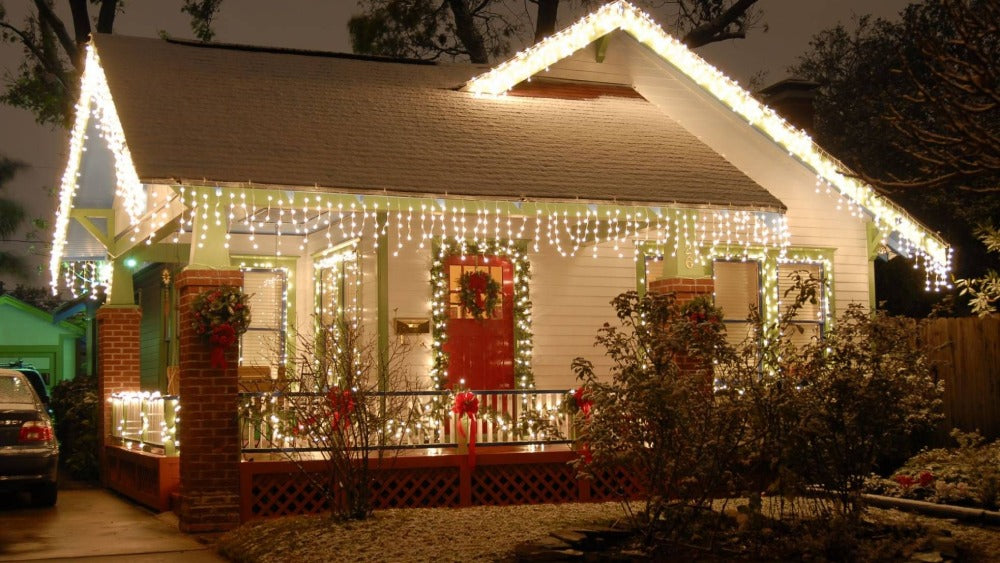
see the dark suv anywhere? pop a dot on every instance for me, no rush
(29, 453)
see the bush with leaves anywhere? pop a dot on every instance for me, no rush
(658, 415)
(968, 474)
(74, 404)
(863, 390)
(984, 291)
(693, 416)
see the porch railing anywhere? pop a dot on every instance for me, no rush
(147, 421)
(414, 419)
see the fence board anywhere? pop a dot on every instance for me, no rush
(966, 356)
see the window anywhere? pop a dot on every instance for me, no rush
(811, 318)
(737, 288)
(455, 273)
(338, 283)
(263, 344)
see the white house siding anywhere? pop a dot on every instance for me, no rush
(409, 297)
(813, 219)
(571, 300)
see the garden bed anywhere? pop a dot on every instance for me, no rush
(967, 475)
(506, 533)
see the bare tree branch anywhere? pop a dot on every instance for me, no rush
(718, 28)
(106, 16)
(48, 17)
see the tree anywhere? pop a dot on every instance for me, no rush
(47, 81)
(913, 107)
(38, 297)
(481, 30)
(11, 216)
(984, 291)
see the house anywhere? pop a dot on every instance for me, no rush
(31, 335)
(605, 158)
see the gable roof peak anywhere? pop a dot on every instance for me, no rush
(621, 15)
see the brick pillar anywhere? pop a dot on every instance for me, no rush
(117, 364)
(208, 428)
(686, 289)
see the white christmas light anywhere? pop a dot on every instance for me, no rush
(95, 97)
(927, 247)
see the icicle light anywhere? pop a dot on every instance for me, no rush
(928, 249)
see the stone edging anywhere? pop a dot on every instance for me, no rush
(962, 513)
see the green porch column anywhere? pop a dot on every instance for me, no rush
(208, 235)
(382, 274)
(122, 292)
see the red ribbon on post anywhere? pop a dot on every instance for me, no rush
(468, 404)
(341, 405)
(585, 404)
(223, 336)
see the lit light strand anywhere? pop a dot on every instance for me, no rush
(928, 249)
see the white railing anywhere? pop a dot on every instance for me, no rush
(424, 419)
(147, 421)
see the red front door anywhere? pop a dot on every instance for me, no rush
(481, 351)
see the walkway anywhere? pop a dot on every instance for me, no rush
(94, 524)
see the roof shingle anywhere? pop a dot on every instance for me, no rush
(222, 114)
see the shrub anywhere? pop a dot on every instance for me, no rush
(331, 407)
(695, 416)
(863, 389)
(658, 415)
(74, 404)
(968, 474)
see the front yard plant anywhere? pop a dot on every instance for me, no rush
(695, 417)
(965, 475)
(74, 405)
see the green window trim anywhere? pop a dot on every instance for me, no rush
(769, 258)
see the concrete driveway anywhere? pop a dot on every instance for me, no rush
(94, 524)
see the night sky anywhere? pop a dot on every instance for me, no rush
(312, 24)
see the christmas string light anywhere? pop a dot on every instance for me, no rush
(858, 197)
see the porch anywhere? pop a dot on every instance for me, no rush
(522, 454)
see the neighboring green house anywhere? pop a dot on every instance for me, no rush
(31, 335)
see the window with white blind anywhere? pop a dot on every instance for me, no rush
(263, 344)
(808, 323)
(737, 288)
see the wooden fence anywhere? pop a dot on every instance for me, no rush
(966, 354)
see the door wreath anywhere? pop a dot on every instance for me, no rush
(478, 293)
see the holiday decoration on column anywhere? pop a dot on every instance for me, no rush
(467, 404)
(221, 315)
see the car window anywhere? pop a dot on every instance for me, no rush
(35, 379)
(15, 390)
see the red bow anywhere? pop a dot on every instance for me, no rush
(583, 402)
(223, 336)
(342, 405)
(468, 404)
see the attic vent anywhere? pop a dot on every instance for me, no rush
(572, 90)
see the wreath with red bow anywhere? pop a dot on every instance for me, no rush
(221, 315)
(478, 293)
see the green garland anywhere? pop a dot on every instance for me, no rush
(523, 376)
(472, 285)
